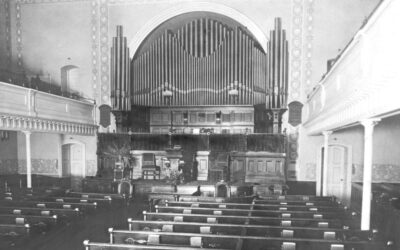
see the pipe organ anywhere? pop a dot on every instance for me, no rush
(120, 73)
(198, 68)
(277, 68)
(204, 62)
(277, 72)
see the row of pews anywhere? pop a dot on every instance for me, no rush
(261, 223)
(25, 212)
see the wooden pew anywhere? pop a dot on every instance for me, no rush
(312, 213)
(231, 241)
(109, 246)
(256, 201)
(191, 198)
(305, 207)
(164, 196)
(33, 220)
(296, 202)
(298, 198)
(48, 204)
(75, 199)
(251, 230)
(61, 212)
(240, 220)
(14, 229)
(84, 195)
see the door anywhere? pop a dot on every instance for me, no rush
(337, 172)
(77, 166)
(66, 160)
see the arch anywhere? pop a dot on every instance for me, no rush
(192, 7)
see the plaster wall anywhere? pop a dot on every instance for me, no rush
(47, 35)
(334, 24)
(9, 154)
(45, 153)
(386, 151)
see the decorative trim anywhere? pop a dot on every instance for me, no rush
(19, 34)
(296, 51)
(104, 53)
(8, 166)
(308, 42)
(13, 122)
(7, 10)
(95, 48)
(389, 173)
(40, 166)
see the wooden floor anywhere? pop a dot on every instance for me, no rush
(93, 226)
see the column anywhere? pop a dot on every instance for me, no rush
(367, 177)
(28, 159)
(325, 163)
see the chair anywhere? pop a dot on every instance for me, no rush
(149, 167)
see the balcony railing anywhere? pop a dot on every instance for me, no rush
(21, 79)
(363, 82)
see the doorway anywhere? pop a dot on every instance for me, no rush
(338, 181)
(73, 164)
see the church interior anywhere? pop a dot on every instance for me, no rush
(187, 124)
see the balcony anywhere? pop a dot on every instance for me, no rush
(29, 109)
(364, 81)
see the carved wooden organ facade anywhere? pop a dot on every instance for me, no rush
(203, 75)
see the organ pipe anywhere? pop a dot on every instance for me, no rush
(202, 59)
(120, 73)
(277, 67)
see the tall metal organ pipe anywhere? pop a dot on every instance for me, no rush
(277, 68)
(120, 73)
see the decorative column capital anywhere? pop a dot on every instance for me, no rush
(369, 123)
(27, 132)
(327, 133)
